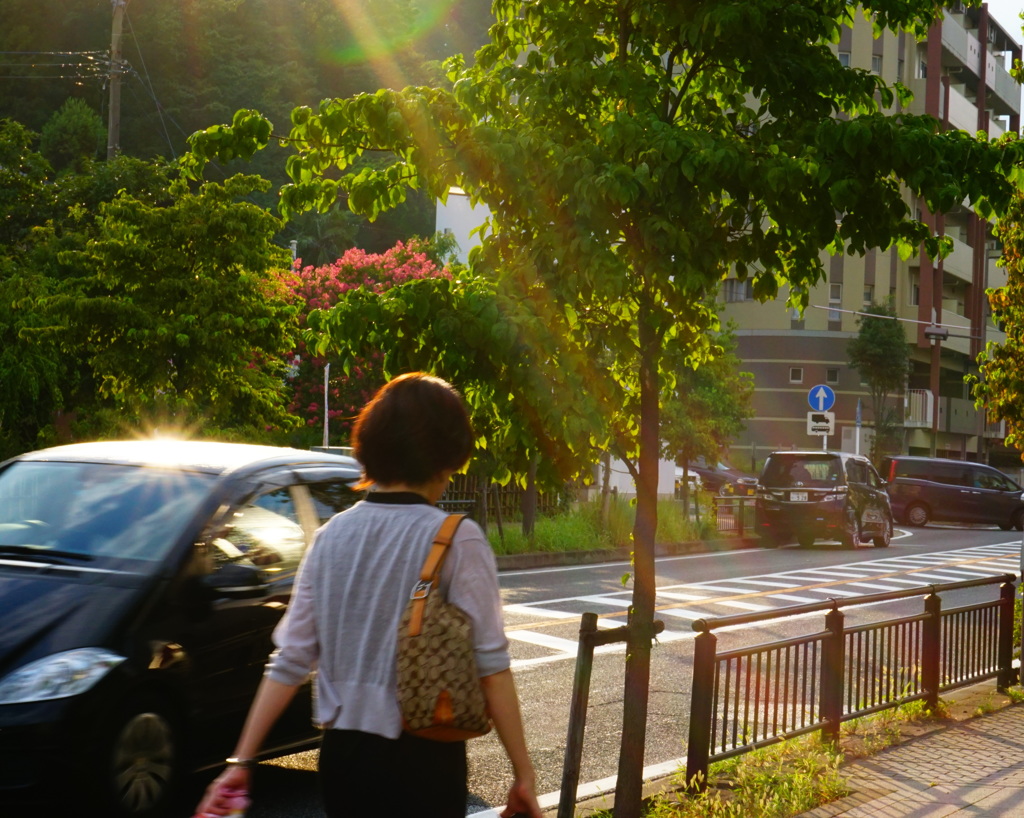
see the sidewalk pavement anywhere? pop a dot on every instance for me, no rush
(973, 767)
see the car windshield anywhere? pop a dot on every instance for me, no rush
(91, 510)
(818, 471)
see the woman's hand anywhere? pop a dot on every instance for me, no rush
(522, 800)
(227, 793)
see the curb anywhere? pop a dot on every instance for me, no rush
(547, 559)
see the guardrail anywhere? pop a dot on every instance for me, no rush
(734, 515)
(756, 696)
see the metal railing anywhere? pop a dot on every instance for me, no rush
(734, 515)
(759, 695)
(755, 696)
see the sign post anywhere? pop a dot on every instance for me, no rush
(820, 421)
(856, 446)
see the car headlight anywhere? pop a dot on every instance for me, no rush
(58, 676)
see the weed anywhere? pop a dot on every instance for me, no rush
(774, 782)
(1015, 694)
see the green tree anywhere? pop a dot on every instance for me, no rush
(23, 173)
(72, 136)
(998, 388)
(706, 409)
(41, 218)
(179, 310)
(631, 153)
(881, 355)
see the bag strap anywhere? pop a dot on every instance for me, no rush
(431, 571)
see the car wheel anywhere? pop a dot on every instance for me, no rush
(917, 515)
(1018, 519)
(850, 534)
(805, 540)
(883, 539)
(140, 760)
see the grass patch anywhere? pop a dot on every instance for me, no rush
(775, 782)
(791, 777)
(580, 528)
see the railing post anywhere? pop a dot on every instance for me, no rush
(1007, 676)
(741, 506)
(931, 650)
(702, 708)
(833, 661)
(577, 717)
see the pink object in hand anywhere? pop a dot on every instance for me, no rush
(237, 801)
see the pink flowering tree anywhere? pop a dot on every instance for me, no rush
(320, 288)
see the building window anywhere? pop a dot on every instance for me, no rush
(915, 289)
(869, 294)
(876, 64)
(735, 290)
(835, 300)
(832, 374)
(844, 59)
(796, 374)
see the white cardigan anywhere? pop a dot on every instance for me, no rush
(351, 589)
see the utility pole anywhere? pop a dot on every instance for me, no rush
(114, 112)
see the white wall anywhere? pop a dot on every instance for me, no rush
(622, 481)
(458, 216)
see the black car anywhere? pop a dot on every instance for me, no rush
(814, 495)
(139, 583)
(923, 489)
(722, 479)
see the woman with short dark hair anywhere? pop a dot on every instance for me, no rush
(343, 620)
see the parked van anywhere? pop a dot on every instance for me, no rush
(926, 489)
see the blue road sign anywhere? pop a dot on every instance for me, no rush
(821, 398)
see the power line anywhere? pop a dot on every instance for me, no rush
(148, 84)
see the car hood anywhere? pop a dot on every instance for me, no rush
(46, 613)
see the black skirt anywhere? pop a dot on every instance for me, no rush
(361, 773)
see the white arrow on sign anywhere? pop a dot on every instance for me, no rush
(822, 397)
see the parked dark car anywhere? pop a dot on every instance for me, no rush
(923, 489)
(722, 479)
(139, 583)
(814, 495)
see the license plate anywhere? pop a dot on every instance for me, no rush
(798, 497)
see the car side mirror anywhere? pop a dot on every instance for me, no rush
(236, 581)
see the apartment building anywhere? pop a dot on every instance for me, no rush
(958, 74)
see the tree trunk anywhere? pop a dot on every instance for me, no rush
(687, 501)
(606, 489)
(529, 502)
(628, 791)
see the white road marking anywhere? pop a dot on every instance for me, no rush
(873, 585)
(744, 606)
(703, 593)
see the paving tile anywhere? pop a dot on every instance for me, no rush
(968, 769)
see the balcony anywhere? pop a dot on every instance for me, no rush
(1005, 87)
(962, 113)
(960, 262)
(956, 415)
(959, 328)
(917, 409)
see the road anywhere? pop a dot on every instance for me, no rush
(543, 607)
